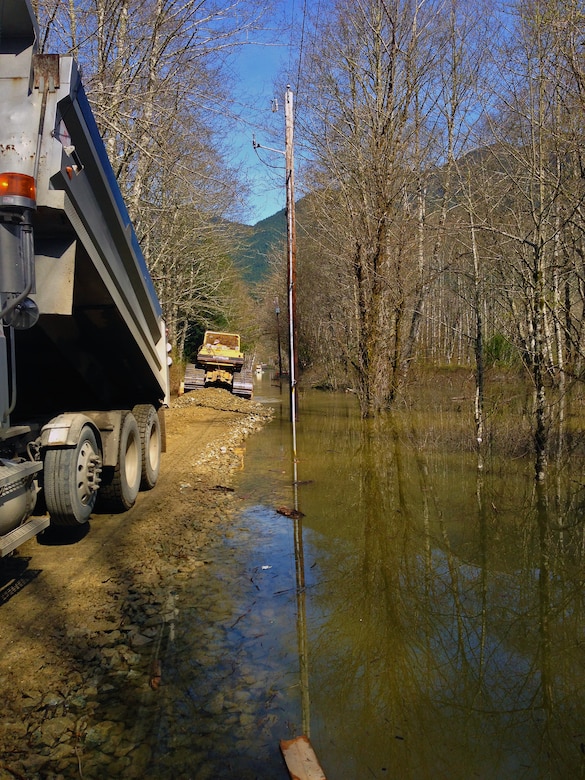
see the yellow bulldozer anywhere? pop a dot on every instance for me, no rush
(220, 363)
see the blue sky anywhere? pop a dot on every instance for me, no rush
(262, 71)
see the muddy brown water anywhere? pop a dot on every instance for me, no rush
(423, 619)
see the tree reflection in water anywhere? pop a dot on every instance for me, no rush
(445, 619)
(424, 619)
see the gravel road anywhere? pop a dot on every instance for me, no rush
(74, 607)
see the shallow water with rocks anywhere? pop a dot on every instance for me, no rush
(230, 671)
(200, 682)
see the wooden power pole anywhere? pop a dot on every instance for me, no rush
(291, 244)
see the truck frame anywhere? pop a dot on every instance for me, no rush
(83, 349)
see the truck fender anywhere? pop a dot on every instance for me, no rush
(108, 425)
(65, 429)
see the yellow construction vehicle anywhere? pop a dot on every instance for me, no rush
(220, 363)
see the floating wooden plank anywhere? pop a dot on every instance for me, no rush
(300, 758)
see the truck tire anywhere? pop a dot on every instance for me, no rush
(71, 479)
(121, 484)
(151, 441)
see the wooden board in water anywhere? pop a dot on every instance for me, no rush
(301, 760)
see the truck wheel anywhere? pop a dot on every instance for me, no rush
(71, 479)
(151, 441)
(120, 487)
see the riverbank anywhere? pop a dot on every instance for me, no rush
(85, 616)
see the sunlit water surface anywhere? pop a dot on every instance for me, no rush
(423, 619)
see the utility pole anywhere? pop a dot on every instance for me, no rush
(291, 249)
(291, 244)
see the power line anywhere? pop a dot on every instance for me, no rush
(301, 46)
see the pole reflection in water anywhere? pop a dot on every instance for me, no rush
(302, 627)
(300, 586)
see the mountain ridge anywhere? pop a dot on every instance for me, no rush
(255, 243)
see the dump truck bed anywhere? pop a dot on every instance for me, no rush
(100, 340)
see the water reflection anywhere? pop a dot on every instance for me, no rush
(425, 618)
(230, 674)
(445, 608)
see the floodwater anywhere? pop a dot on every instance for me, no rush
(423, 619)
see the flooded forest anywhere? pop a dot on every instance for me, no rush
(441, 292)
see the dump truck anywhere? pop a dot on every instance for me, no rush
(220, 363)
(83, 348)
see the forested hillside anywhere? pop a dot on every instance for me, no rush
(258, 244)
(261, 249)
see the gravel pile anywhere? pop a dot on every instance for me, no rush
(226, 454)
(223, 400)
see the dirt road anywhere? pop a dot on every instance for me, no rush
(72, 606)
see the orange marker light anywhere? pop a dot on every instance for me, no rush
(17, 185)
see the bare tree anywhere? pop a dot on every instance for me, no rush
(370, 72)
(533, 196)
(155, 74)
